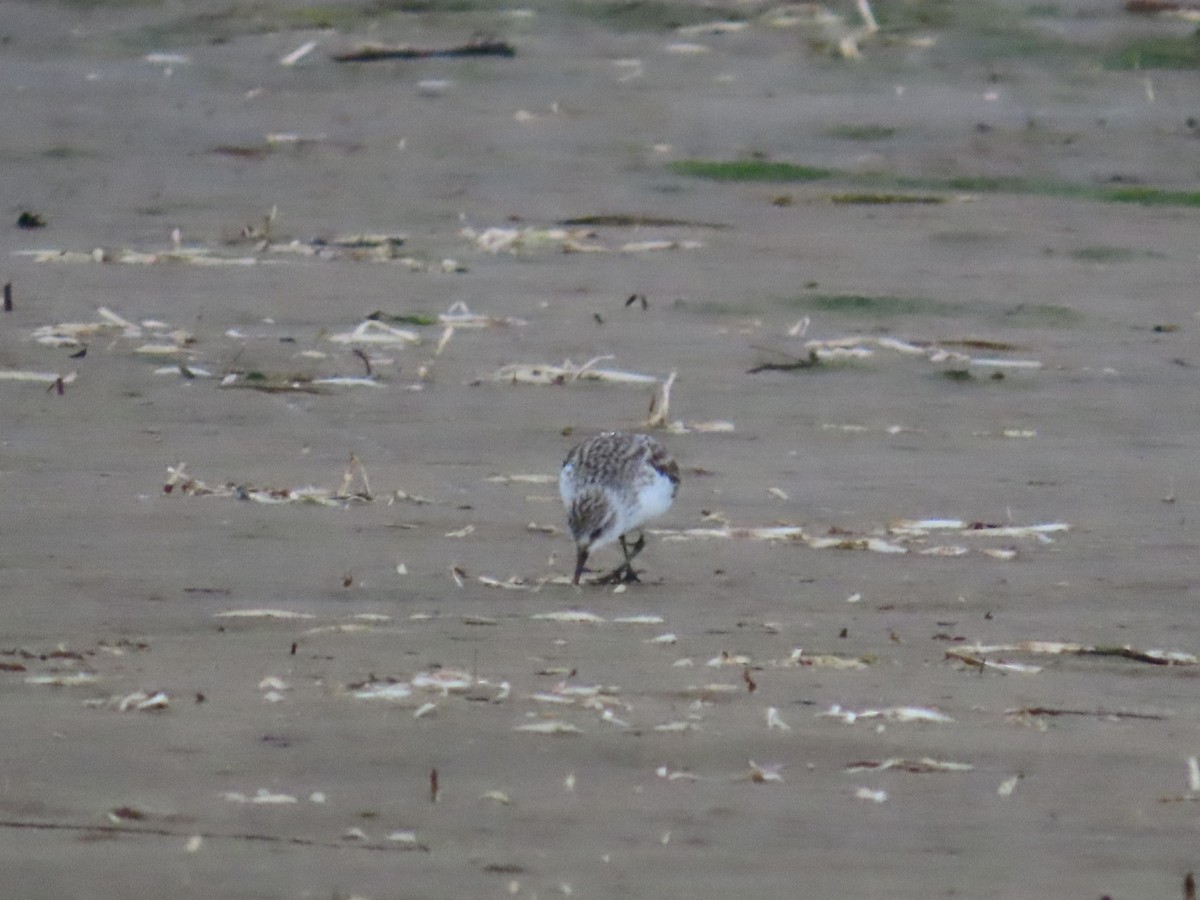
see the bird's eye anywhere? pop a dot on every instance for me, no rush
(596, 534)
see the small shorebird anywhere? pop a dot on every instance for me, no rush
(611, 484)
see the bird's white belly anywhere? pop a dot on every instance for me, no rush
(654, 499)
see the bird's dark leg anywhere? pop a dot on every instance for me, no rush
(581, 555)
(624, 573)
(638, 546)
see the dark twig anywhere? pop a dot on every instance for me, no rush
(1126, 653)
(634, 221)
(1150, 7)
(809, 362)
(374, 53)
(97, 830)
(362, 354)
(1098, 713)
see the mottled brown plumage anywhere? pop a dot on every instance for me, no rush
(611, 484)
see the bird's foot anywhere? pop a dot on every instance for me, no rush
(622, 574)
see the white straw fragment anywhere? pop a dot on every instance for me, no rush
(141, 701)
(1018, 530)
(515, 583)
(652, 246)
(523, 479)
(798, 659)
(446, 681)
(945, 550)
(298, 54)
(925, 525)
(515, 240)
(376, 691)
(64, 679)
(924, 765)
(718, 27)
(896, 540)
(167, 59)
(24, 375)
(681, 48)
(775, 721)
(713, 426)
(425, 709)
(550, 726)
(159, 349)
(999, 665)
(569, 615)
(261, 796)
(876, 796)
(891, 713)
(546, 374)
(1006, 363)
(370, 331)
(349, 381)
(999, 553)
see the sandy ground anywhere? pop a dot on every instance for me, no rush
(106, 575)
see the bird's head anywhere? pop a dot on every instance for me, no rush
(593, 522)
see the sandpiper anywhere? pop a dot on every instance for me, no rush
(611, 484)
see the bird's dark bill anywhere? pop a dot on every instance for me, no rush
(581, 556)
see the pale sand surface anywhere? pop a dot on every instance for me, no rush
(97, 561)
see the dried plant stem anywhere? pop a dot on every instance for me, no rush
(660, 404)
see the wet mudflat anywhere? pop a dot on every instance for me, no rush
(290, 370)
